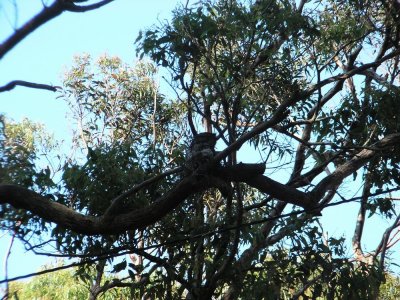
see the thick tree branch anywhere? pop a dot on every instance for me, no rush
(251, 174)
(9, 86)
(335, 179)
(20, 197)
(280, 191)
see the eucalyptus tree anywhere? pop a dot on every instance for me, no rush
(303, 100)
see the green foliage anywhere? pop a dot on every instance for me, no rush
(60, 285)
(21, 145)
(108, 171)
(113, 102)
(212, 47)
(127, 128)
(390, 289)
(43, 287)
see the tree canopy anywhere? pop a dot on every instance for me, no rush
(303, 100)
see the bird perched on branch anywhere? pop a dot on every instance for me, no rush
(201, 151)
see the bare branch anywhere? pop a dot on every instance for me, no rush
(360, 70)
(280, 191)
(45, 15)
(42, 17)
(252, 175)
(358, 252)
(70, 6)
(383, 245)
(9, 86)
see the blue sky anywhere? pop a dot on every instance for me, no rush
(43, 56)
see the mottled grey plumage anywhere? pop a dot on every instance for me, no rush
(201, 151)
